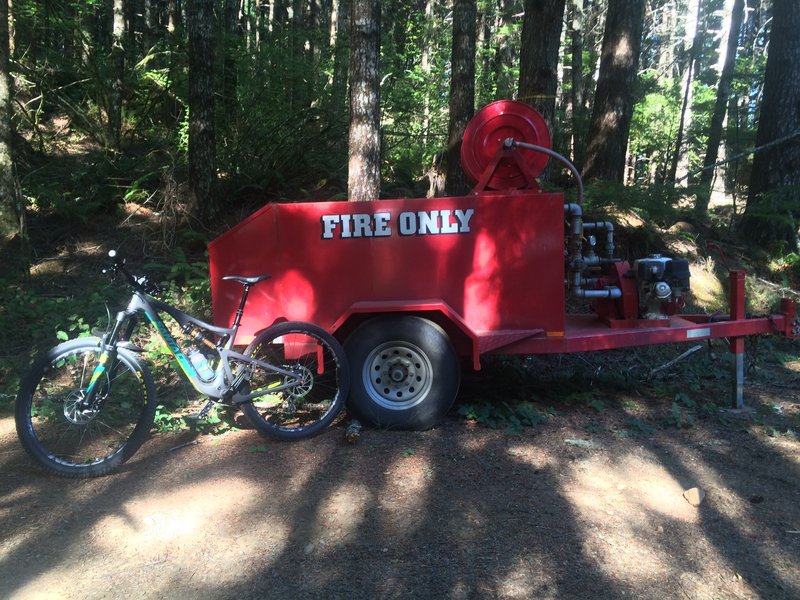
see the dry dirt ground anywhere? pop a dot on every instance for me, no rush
(581, 506)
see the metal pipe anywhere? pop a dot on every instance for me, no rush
(578, 262)
(609, 227)
(609, 292)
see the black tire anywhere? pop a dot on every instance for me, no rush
(405, 373)
(71, 442)
(307, 409)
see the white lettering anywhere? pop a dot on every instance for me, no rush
(328, 225)
(463, 217)
(448, 226)
(382, 228)
(428, 222)
(407, 222)
(361, 226)
(347, 232)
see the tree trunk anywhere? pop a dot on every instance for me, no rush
(118, 61)
(594, 17)
(462, 92)
(771, 216)
(364, 174)
(538, 64)
(231, 50)
(428, 41)
(319, 18)
(11, 212)
(174, 16)
(202, 138)
(504, 59)
(720, 105)
(576, 100)
(340, 39)
(679, 155)
(11, 29)
(613, 102)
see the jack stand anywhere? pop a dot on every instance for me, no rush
(737, 343)
(737, 362)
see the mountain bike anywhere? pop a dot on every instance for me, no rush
(87, 405)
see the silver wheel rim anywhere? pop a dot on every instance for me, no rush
(397, 375)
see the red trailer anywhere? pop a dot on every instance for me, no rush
(413, 285)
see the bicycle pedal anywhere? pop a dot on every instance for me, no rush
(201, 415)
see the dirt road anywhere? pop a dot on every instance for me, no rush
(584, 505)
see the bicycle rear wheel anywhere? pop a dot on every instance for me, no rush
(69, 438)
(319, 368)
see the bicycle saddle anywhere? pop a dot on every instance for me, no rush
(247, 280)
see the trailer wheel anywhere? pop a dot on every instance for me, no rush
(404, 373)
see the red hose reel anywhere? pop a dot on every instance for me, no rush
(487, 161)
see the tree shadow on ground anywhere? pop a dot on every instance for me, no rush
(460, 511)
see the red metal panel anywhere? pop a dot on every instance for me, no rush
(496, 259)
(587, 333)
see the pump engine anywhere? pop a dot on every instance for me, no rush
(661, 283)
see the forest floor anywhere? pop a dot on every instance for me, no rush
(591, 502)
(584, 505)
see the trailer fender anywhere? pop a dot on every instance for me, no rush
(465, 340)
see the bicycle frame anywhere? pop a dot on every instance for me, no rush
(224, 384)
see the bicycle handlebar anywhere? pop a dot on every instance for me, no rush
(141, 284)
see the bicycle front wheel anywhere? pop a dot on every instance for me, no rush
(314, 393)
(71, 437)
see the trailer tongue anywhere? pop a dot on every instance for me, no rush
(413, 285)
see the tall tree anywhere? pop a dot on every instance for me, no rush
(613, 100)
(539, 55)
(9, 200)
(364, 172)
(232, 37)
(694, 37)
(462, 91)
(174, 20)
(504, 56)
(118, 61)
(425, 65)
(576, 78)
(721, 103)
(340, 41)
(202, 136)
(772, 206)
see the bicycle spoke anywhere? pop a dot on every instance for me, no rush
(72, 437)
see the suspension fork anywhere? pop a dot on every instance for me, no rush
(107, 362)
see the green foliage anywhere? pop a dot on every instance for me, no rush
(638, 426)
(77, 327)
(503, 415)
(681, 413)
(165, 421)
(659, 204)
(653, 127)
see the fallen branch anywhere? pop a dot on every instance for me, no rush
(667, 365)
(179, 446)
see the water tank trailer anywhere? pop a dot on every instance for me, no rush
(412, 286)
